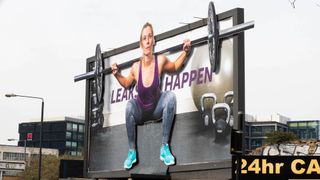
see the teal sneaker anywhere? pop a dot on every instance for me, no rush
(166, 156)
(131, 159)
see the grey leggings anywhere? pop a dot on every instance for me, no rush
(165, 109)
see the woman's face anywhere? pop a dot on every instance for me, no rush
(147, 40)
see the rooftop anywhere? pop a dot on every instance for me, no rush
(79, 119)
(267, 118)
(303, 120)
(33, 150)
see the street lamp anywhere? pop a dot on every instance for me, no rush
(41, 123)
(25, 147)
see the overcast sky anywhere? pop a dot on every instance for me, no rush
(44, 44)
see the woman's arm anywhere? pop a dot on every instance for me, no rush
(124, 81)
(176, 65)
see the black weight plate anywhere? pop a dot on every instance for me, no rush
(213, 37)
(99, 75)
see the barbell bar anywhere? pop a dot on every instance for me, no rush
(226, 33)
(213, 40)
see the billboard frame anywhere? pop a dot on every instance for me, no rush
(237, 15)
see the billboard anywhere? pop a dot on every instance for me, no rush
(204, 116)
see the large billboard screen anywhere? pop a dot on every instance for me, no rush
(200, 135)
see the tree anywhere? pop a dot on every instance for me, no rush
(49, 170)
(50, 167)
(278, 137)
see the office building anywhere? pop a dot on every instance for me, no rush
(256, 128)
(305, 129)
(63, 133)
(13, 159)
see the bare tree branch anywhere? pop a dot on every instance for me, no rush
(292, 3)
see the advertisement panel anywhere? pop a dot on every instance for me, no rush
(205, 104)
(277, 167)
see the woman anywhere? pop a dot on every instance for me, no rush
(150, 103)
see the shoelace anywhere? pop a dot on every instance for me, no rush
(130, 154)
(167, 151)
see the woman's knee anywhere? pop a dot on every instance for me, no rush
(170, 99)
(130, 107)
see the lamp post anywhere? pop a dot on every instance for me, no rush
(41, 123)
(25, 148)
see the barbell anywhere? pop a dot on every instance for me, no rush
(213, 40)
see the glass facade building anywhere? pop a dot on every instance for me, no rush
(306, 130)
(65, 134)
(257, 128)
(255, 133)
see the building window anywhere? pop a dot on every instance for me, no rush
(267, 129)
(74, 144)
(302, 124)
(312, 134)
(69, 126)
(312, 124)
(10, 173)
(74, 136)
(80, 137)
(81, 128)
(256, 131)
(293, 124)
(303, 134)
(68, 143)
(74, 127)
(79, 153)
(13, 156)
(73, 153)
(68, 135)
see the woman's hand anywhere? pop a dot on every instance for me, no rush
(186, 45)
(115, 69)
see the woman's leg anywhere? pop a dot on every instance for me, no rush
(166, 108)
(133, 114)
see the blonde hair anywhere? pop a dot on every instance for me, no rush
(147, 24)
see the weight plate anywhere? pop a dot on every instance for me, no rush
(99, 75)
(213, 37)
